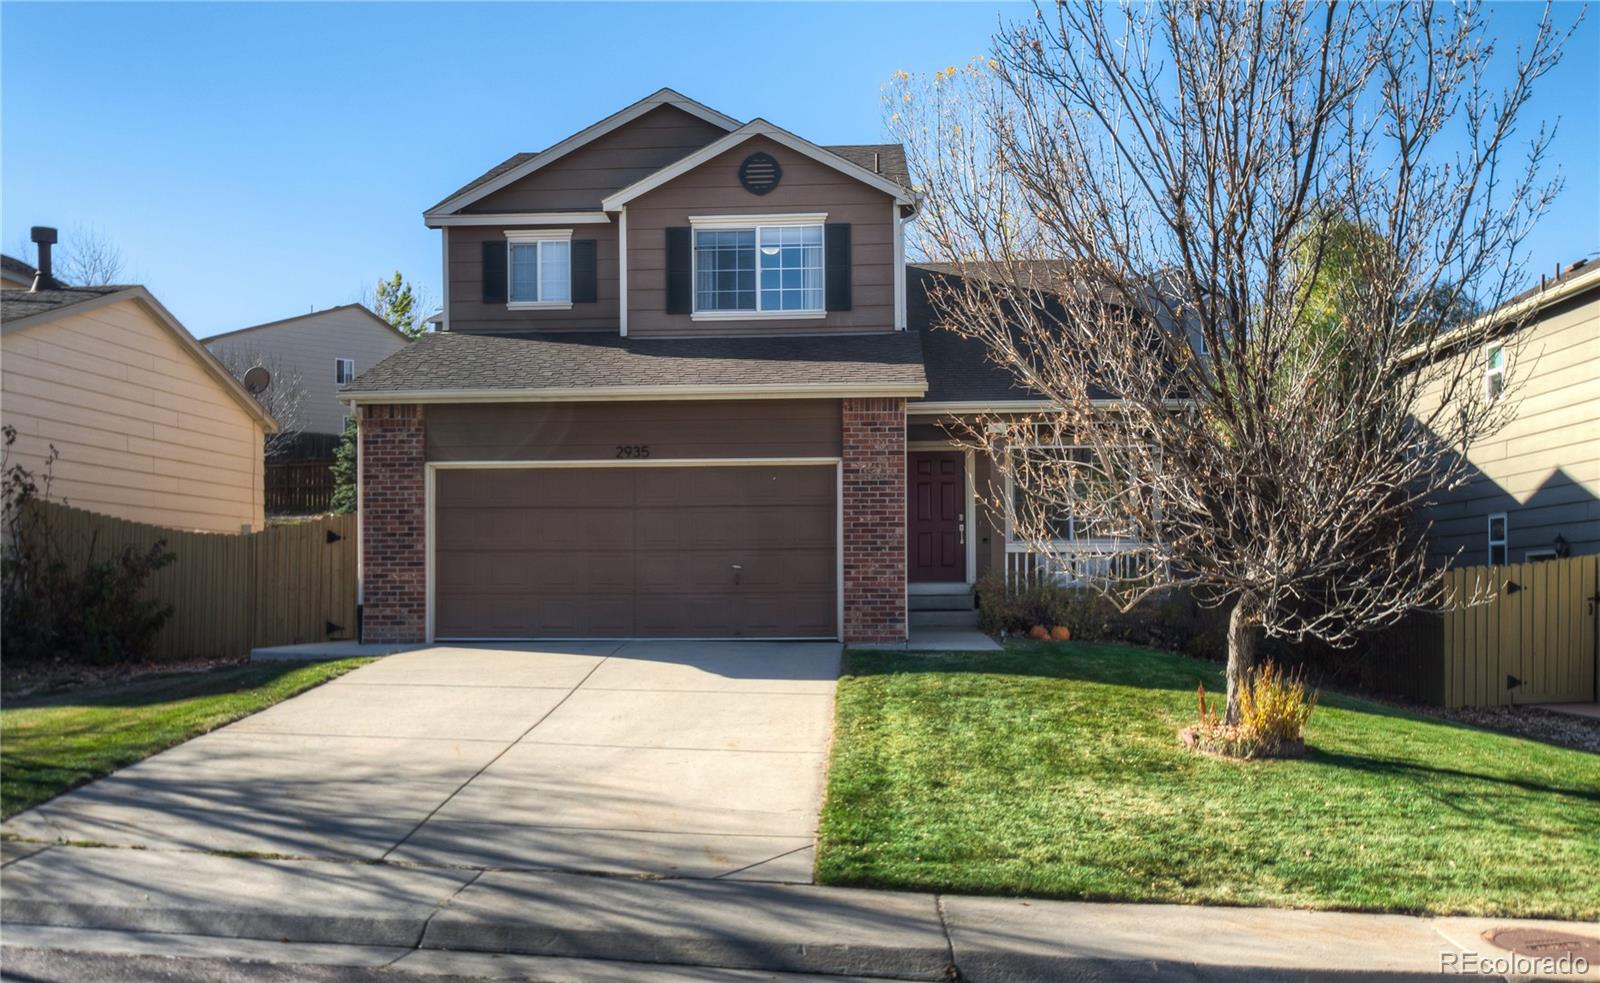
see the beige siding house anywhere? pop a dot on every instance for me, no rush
(1535, 490)
(147, 424)
(318, 352)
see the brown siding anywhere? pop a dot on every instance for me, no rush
(807, 186)
(579, 180)
(470, 315)
(595, 431)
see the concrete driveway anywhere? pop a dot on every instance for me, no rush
(692, 759)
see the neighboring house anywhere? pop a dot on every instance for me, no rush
(685, 387)
(148, 425)
(1535, 487)
(15, 274)
(319, 352)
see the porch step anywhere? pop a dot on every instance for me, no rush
(954, 600)
(944, 619)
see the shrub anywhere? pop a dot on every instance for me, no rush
(1274, 707)
(53, 609)
(1037, 601)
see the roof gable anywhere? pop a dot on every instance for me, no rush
(362, 308)
(581, 178)
(521, 165)
(761, 128)
(82, 300)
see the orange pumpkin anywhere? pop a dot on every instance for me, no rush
(1061, 633)
(1039, 632)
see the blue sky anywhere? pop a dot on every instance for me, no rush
(254, 161)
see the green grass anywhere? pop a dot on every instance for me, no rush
(1057, 772)
(59, 742)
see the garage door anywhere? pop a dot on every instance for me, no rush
(705, 552)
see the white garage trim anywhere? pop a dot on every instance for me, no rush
(431, 468)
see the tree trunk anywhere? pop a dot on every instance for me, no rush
(1241, 651)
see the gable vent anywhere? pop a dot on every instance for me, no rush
(760, 173)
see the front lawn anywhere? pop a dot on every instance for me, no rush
(54, 744)
(1056, 771)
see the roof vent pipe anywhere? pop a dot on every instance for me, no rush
(875, 169)
(44, 237)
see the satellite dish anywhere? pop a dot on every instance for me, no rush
(257, 380)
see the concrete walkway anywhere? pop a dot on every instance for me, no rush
(433, 920)
(688, 759)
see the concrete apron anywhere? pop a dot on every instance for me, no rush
(685, 759)
(111, 900)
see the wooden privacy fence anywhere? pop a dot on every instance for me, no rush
(286, 585)
(299, 487)
(1534, 642)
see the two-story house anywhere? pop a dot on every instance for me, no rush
(684, 387)
(1534, 485)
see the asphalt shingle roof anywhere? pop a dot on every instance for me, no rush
(890, 159)
(11, 264)
(594, 360)
(18, 304)
(959, 369)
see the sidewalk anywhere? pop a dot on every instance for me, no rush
(402, 917)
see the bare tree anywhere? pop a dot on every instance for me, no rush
(1229, 244)
(285, 396)
(87, 258)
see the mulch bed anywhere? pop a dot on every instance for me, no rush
(1550, 726)
(42, 679)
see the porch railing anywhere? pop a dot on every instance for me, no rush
(1076, 563)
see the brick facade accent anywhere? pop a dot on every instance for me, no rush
(874, 520)
(393, 524)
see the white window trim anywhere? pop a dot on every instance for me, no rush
(746, 221)
(1535, 555)
(338, 361)
(538, 235)
(1489, 373)
(1504, 542)
(755, 223)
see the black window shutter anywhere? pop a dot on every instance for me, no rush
(836, 280)
(583, 273)
(494, 272)
(680, 289)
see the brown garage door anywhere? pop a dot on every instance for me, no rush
(706, 552)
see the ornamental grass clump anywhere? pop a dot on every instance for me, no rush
(1273, 709)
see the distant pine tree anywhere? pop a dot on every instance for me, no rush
(396, 302)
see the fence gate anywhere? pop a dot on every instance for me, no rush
(286, 585)
(1533, 643)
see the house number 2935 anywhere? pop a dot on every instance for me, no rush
(633, 450)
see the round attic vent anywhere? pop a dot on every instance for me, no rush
(257, 380)
(760, 173)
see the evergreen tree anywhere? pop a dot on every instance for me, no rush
(344, 471)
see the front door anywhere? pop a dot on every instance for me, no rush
(936, 517)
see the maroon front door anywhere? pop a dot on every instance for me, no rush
(936, 515)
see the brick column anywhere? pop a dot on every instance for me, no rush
(393, 517)
(874, 520)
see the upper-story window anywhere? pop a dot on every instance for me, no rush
(539, 268)
(344, 369)
(1494, 372)
(772, 266)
